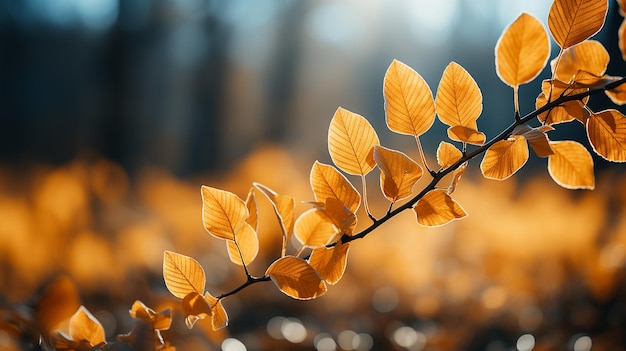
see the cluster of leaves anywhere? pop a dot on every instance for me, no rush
(44, 322)
(326, 231)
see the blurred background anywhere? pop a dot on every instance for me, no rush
(115, 112)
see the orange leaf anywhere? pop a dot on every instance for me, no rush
(409, 104)
(246, 244)
(447, 154)
(223, 212)
(160, 321)
(330, 262)
(571, 166)
(466, 135)
(195, 307)
(566, 112)
(296, 278)
(283, 207)
(458, 173)
(328, 182)
(398, 173)
(504, 158)
(314, 229)
(522, 51)
(437, 208)
(617, 95)
(344, 219)
(589, 56)
(459, 101)
(350, 141)
(219, 318)
(182, 274)
(537, 139)
(607, 134)
(84, 326)
(252, 210)
(572, 21)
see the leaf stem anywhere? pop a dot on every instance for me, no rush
(251, 280)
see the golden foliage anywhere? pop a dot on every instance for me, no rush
(330, 262)
(245, 246)
(459, 102)
(571, 166)
(223, 212)
(351, 139)
(296, 278)
(314, 229)
(437, 208)
(398, 173)
(409, 104)
(327, 182)
(85, 332)
(522, 51)
(504, 158)
(572, 21)
(182, 274)
(447, 154)
(607, 134)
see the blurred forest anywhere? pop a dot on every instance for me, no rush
(113, 113)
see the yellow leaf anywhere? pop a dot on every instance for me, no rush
(160, 321)
(522, 51)
(283, 206)
(246, 244)
(314, 229)
(219, 318)
(252, 209)
(539, 142)
(350, 141)
(458, 101)
(622, 7)
(84, 326)
(447, 154)
(466, 135)
(341, 216)
(327, 182)
(617, 95)
(571, 166)
(223, 212)
(398, 173)
(437, 208)
(572, 21)
(504, 158)
(195, 307)
(182, 274)
(607, 134)
(296, 278)
(330, 262)
(566, 112)
(589, 56)
(409, 104)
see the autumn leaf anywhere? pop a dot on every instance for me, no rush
(606, 131)
(149, 323)
(160, 321)
(621, 35)
(522, 51)
(296, 278)
(571, 166)
(313, 228)
(219, 318)
(566, 112)
(350, 141)
(409, 104)
(458, 100)
(447, 154)
(283, 207)
(85, 332)
(589, 56)
(246, 244)
(618, 94)
(341, 216)
(223, 212)
(536, 138)
(328, 182)
(195, 307)
(458, 173)
(398, 173)
(572, 21)
(330, 262)
(437, 208)
(182, 274)
(504, 158)
(252, 209)
(467, 135)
